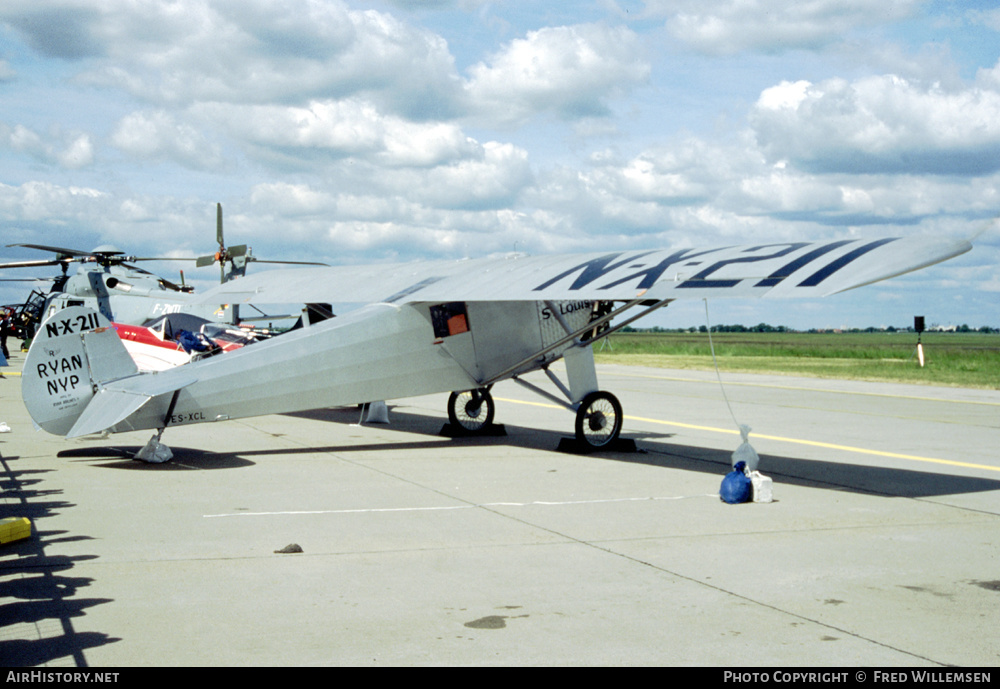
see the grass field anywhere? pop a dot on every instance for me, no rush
(955, 359)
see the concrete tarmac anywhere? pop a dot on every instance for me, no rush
(881, 548)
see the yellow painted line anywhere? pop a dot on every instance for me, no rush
(794, 441)
(810, 389)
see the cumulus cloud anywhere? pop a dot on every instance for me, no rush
(83, 217)
(341, 129)
(486, 176)
(733, 26)
(295, 200)
(989, 78)
(43, 200)
(79, 153)
(253, 51)
(492, 179)
(158, 135)
(570, 71)
(880, 124)
(70, 151)
(63, 29)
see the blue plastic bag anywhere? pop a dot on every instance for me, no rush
(736, 486)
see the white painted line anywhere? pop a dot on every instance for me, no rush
(540, 503)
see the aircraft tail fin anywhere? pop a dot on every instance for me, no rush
(73, 355)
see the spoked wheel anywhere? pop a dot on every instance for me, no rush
(599, 419)
(472, 410)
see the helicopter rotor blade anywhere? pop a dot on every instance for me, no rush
(288, 263)
(59, 251)
(31, 264)
(133, 259)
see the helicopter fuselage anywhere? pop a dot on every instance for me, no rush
(126, 295)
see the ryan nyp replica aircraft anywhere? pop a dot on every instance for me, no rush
(430, 327)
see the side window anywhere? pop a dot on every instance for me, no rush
(449, 319)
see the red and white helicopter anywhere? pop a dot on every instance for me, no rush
(458, 326)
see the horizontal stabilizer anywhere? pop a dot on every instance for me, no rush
(106, 408)
(112, 405)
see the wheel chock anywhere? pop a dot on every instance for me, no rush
(494, 430)
(14, 529)
(578, 447)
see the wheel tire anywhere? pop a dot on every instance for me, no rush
(472, 410)
(598, 419)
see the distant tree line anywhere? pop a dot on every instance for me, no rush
(767, 328)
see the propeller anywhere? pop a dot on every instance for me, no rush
(238, 256)
(224, 255)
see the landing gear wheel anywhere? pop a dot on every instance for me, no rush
(472, 410)
(598, 420)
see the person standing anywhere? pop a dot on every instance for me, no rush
(5, 328)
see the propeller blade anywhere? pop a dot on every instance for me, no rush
(218, 227)
(239, 250)
(203, 261)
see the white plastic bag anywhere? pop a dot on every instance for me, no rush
(154, 452)
(745, 452)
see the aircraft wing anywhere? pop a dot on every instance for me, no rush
(789, 269)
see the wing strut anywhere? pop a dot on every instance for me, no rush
(592, 325)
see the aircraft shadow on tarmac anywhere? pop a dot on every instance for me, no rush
(36, 588)
(185, 459)
(654, 449)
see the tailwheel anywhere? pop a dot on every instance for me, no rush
(598, 419)
(472, 410)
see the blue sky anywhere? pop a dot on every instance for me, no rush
(371, 132)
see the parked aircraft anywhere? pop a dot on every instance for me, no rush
(178, 338)
(107, 282)
(458, 326)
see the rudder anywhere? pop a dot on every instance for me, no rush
(73, 352)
